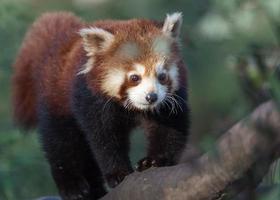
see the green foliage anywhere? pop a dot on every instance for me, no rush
(272, 194)
(23, 172)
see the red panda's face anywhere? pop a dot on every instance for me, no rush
(136, 67)
(149, 85)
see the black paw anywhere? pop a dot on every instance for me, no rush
(148, 162)
(76, 191)
(113, 179)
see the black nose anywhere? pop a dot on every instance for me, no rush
(151, 97)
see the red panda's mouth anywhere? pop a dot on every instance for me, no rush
(141, 106)
(145, 104)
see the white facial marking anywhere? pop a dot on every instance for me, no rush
(140, 69)
(129, 50)
(161, 46)
(112, 82)
(172, 72)
(161, 91)
(137, 94)
(174, 76)
(159, 67)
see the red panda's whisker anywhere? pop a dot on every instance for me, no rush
(128, 105)
(108, 102)
(173, 94)
(165, 102)
(180, 98)
(176, 103)
(171, 101)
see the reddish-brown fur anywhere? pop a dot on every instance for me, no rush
(52, 52)
(46, 63)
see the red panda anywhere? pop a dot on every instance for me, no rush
(87, 85)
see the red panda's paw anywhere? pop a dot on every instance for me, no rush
(143, 164)
(116, 178)
(76, 191)
(148, 162)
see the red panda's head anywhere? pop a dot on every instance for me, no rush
(134, 61)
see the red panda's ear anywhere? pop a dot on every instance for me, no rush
(172, 24)
(96, 39)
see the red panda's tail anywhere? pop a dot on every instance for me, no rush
(39, 41)
(24, 96)
(23, 93)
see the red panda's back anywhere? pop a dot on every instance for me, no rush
(43, 66)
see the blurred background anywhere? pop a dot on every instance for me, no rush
(232, 49)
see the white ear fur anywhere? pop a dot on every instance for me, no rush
(172, 24)
(96, 39)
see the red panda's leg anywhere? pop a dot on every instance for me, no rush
(73, 167)
(107, 126)
(167, 136)
(108, 135)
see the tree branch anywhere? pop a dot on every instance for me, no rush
(248, 147)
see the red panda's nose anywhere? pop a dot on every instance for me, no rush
(151, 97)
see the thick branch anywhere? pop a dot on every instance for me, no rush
(248, 146)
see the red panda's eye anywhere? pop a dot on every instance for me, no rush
(135, 78)
(162, 77)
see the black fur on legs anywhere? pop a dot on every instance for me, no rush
(73, 167)
(106, 125)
